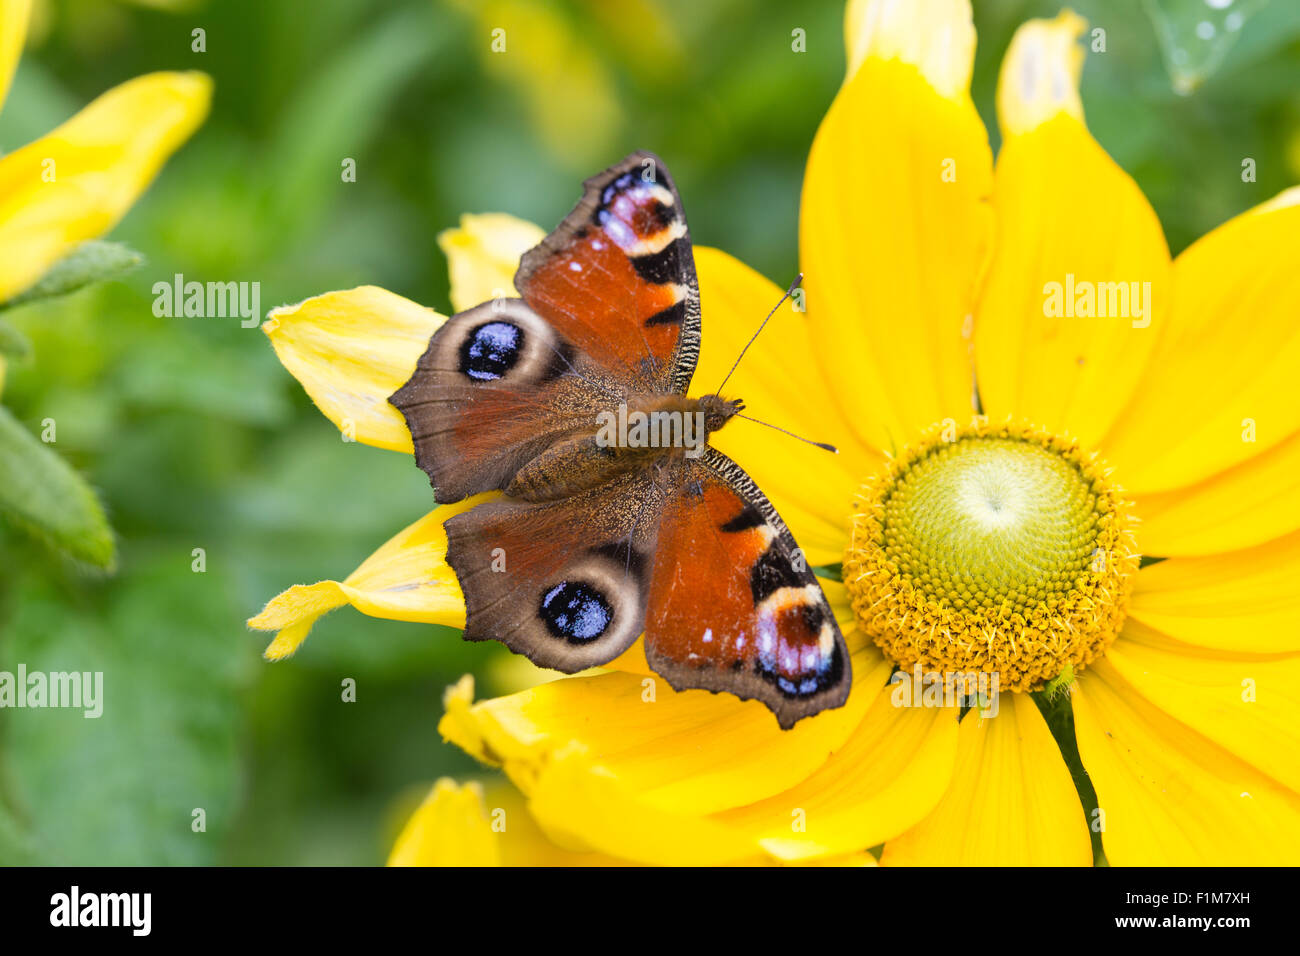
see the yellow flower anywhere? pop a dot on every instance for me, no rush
(477, 824)
(1006, 454)
(77, 181)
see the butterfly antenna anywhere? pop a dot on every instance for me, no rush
(788, 292)
(820, 444)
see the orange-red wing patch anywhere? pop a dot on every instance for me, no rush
(733, 607)
(617, 278)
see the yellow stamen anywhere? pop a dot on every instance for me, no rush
(996, 548)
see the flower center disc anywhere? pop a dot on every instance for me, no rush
(994, 548)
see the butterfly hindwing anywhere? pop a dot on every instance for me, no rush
(733, 606)
(617, 277)
(563, 582)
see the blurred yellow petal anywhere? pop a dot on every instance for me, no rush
(1221, 387)
(1170, 797)
(888, 775)
(936, 36)
(1238, 601)
(14, 15)
(580, 803)
(1075, 239)
(1040, 74)
(894, 231)
(76, 182)
(1250, 503)
(483, 256)
(643, 768)
(1011, 803)
(460, 724)
(522, 841)
(451, 828)
(350, 351)
(689, 752)
(407, 579)
(861, 858)
(1249, 706)
(782, 383)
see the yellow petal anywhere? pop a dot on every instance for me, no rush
(1250, 706)
(782, 383)
(350, 351)
(1040, 74)
(1170, 797)
(524, 843)
(460, 724)
(860, 858)
(888, 775)
(451, 828)
(76, 182)
(936, 36)
(584, 803)
(1250, 503)
(1075, 236)
(407, 579)
(1238, 601)
(1011, 803)
(14, 15)
(581, 804)
(691, 752)
(893, 234)
(483, 256)
(578, 802)
(1221, 386)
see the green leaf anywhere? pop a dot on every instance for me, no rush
(40, 492)
(13, 344)
(90, 262)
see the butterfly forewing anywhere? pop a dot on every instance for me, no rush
(617, 277)
(492, 391)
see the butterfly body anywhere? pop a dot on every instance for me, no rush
(618, 516)
(642, 431)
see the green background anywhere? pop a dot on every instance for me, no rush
(195, 437)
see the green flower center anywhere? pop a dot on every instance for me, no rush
(992, 548)
(983, 522)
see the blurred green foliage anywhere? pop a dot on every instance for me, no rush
(195, 437)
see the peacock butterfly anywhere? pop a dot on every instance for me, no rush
(618, 517)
